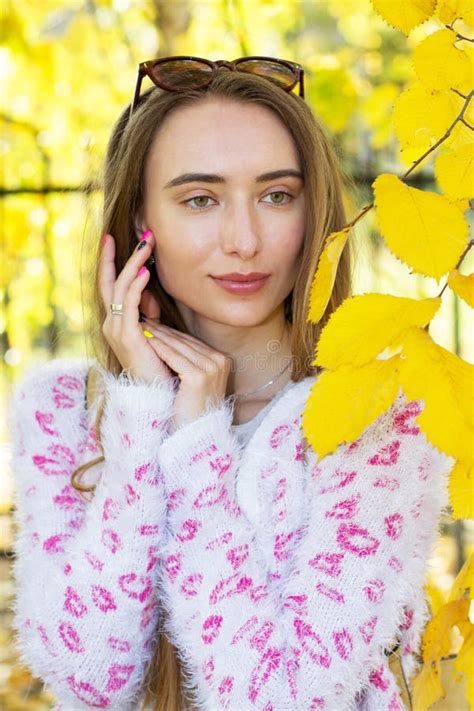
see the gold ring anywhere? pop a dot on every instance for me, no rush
(116, 309)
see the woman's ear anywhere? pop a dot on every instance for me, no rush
(140, 225)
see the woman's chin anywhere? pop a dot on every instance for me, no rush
(239, 314)
(244, 317)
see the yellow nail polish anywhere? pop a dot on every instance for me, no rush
(148, 334)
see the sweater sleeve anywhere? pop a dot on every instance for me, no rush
(382, 692)
(85, 607)
(358, 563)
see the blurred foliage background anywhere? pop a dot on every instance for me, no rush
(68, 67)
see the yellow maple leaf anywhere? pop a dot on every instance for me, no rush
(323, 282)
(440, 64)
(370, 390)
(444, 381)
(364, 325)
(462, 285)
(404, 15)
(449, 10)
(421, 228)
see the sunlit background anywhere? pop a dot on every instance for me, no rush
(67, 70)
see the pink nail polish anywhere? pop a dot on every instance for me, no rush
(142, 270)
(147, 233)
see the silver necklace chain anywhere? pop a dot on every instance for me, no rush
(263, 386)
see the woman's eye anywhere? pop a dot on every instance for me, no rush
(198, 197)
(280, 193)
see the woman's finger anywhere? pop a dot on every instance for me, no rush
(203, 360)
(107, 270)
(130, 325)
(162, 328)
(174, 358)
(138, 257)
(126, 277)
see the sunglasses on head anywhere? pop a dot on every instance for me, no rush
(186, 72)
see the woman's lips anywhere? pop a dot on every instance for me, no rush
(241, 287)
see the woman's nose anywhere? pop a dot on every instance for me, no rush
(240, 230)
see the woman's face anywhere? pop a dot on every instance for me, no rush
(233, 222)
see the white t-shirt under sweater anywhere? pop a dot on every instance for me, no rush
(245, 430)
(284, 578)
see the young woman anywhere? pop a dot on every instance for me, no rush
(217, 564)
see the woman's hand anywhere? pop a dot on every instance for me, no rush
(124, 334)
(203, 372)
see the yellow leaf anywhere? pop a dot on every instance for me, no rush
(436, 595)
(374, 107)
(364, 325)
(421, 228)
(427, 687)
(404, 15)
(445, 382)
(334, 96)
(454, 171)
(436, 638)
(325, 276)
(461, 134)
(449, 10)
(469, 116)
(461, 491)
(464, 627)
(464, 581)
(420, 118)
(462, 285)
(350, 398)
(464, 663)
(440, 64)
(462, 205)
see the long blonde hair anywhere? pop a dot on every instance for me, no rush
(327, 194)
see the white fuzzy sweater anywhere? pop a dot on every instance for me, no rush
(283, 604)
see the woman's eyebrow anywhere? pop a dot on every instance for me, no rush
(212, 178)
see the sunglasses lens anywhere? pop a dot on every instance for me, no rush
(279, 73)
(182, 73)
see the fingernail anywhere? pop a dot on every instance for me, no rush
(142, 244)
(147, 233)
(142, 270)
(147, 333)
